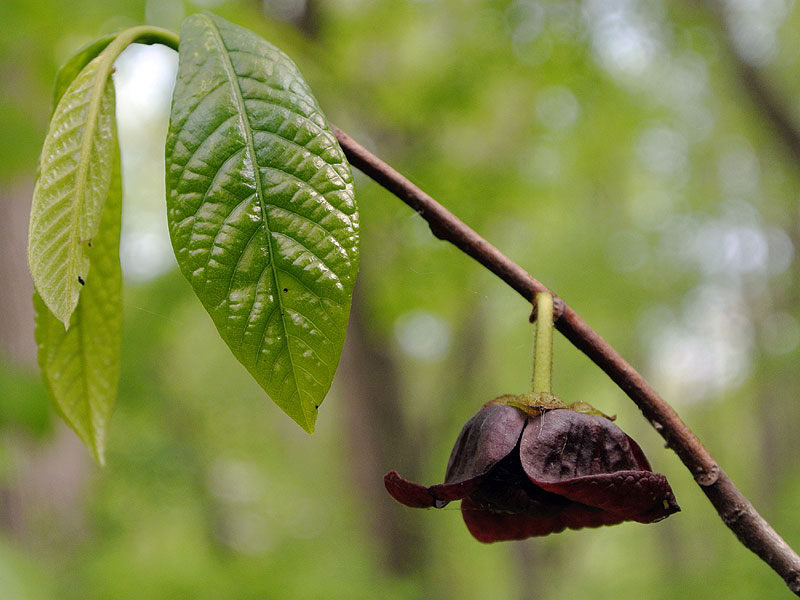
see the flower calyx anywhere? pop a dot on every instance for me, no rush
(534, 404)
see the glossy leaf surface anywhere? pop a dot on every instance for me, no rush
(74, 178)
(261, 210)
(80, 366)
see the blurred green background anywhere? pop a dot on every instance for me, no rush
(631, 155)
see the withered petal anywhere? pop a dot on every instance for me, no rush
(490, 526)
(436, 496)
(589, 460)
(570, 470)
(641, 496)
(410, 493)
(447, 492)
(487, 438)
(418, 496)
(564, 444)
(578, 516)
(638, 454)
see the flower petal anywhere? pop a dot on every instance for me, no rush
(564, 444)
(641, 459)
(487, 438)
(589, 460)
(410, 493)
(489, 526)
(578, 516)
(418, 496)
(641, 496)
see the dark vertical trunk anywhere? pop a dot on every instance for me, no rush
(16, 310)
(41, 495)
(379, 440)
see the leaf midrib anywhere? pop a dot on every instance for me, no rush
(250, 145)
(83, 348)
(79, 197)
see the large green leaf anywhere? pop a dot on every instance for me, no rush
(74, 178)
(261, 210)
(80, 366)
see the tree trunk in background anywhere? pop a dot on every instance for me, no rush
(379, 440)
(379, 436)
(41, 494)
(303, 14)
(16, 310)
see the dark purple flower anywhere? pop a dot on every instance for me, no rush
(519, 476)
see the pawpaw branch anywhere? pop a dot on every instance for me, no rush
(735, 510)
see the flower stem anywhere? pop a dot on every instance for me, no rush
(543, 346)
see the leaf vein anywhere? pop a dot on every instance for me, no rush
(193, 154)
(306, 317)
(311, 252)
(247, 132)
(206, 193)
(288, 141)
(263, 337)
(304, 184)
(236, 267)
(321, 303)
(180, 125)
(225, 221)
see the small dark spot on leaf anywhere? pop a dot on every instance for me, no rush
(285, 289)
(81, 281)
(89, 243)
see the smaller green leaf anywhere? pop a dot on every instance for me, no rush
(75, 219)
(70, 69)
(74, 178)
(80, 366)
(119, 41)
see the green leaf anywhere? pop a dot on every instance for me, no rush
(261, 210)
(119, 41)
(74, 178)
(70, 69)
(80, 366)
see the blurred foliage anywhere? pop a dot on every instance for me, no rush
(608, 147)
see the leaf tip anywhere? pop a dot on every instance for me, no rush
(99, 454)
(63, 314)
(307, 422)
(60, 307)
(93, 439)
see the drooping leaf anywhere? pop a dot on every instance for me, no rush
(74, 178)
(70, 69)
(261, 210)
(80, 366)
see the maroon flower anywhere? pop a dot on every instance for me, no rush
(519, 476)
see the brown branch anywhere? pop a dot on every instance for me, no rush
(733, 507)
